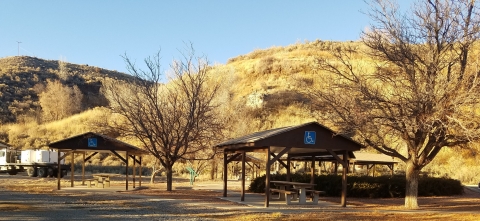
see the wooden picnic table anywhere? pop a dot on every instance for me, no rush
(103, 178)
(302, 198)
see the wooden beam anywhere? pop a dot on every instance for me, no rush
(344, 182)
(279, 160)
(140, 171)
(285, 150)
(126, 168)
(225, 171)
(338, 158)
(59, 170)
(90, 156)
(134, 168)
(288, 167)
(244, 157)
(124, 160)
(64, 155)
(391, 167)
(267, 178)
(134, 157)
(369, 167)
(312, 169)
(232, 158)
(83, 169)
(72, 169)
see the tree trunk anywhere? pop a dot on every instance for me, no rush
(212, 171)
(169, 174)
(411, 188)
(154, 174)
(152, 177)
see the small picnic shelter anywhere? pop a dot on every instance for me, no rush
(370, 160)
(326, 157)
(251, 161)
(310, 139)
(95, 143)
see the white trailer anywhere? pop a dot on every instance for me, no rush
(41, 163)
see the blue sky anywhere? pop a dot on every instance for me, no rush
(98, 32)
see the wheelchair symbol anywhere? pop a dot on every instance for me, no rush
(309, 137)
(92, 142)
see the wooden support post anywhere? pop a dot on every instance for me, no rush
(393, 166)
(288, 167)
(374, 165)
(243, 175)
(253, 170)
(348, 166)
(72, 169)
(140, 172)
(353, 168)
(59, 169)
(312, 169)
(267, 179)
(225, 173)
(134, 168)
(336, 168)
(83, 169)
(126, 170)
(344, 180)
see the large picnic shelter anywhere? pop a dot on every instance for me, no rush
(310, 139)
(95, 143)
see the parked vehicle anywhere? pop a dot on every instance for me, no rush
(41, 163)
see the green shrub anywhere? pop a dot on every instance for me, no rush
(365, 186)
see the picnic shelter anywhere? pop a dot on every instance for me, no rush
(95, 143)
(309, 139)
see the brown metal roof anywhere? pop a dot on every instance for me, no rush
(295, 137)
(95, 142)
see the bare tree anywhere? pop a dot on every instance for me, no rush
(174, 120)
(411, 86)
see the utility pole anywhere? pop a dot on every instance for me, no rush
(18, 48)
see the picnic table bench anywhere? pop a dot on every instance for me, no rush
(99, 180)
(89, 182)
(315, 195)
(288, 195)
(300, 187)
(102, 180)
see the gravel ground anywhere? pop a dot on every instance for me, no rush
(24, 206)
(27, 198)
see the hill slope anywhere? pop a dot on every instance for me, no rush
(23, 78)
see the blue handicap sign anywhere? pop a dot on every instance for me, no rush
(310, 137)
(92, 142)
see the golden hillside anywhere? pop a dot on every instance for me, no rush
(22, 78)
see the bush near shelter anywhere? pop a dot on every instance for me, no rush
(365, 186)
